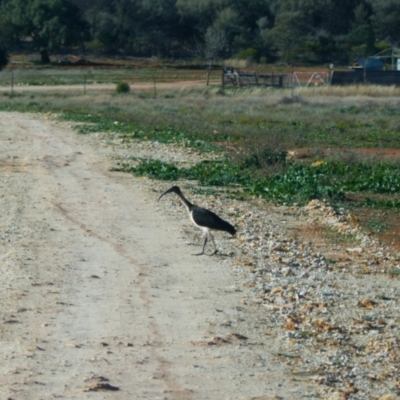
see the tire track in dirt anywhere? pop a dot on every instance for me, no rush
(165, 366)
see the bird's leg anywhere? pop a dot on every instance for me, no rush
(204, 245)
(215, 247)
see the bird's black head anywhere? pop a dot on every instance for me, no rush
(174, 189)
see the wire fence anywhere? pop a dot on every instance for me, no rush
(292, 79)
(315, 78)
(15, 79)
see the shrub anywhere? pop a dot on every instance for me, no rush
(265, 158)
(122, 87)
(265, 153)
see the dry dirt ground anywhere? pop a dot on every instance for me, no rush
(99, 300)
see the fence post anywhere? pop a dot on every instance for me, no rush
(292, 83)
(154, 83)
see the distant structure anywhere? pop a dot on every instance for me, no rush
(368, 63)
(368, 71)
(392, 54)
(235, 77)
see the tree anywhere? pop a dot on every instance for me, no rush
(114, 25)
(93, 12)
(362, 40)
(195, 17)
(288, 32)
(362, 14)
(48, 23)
(214, 43)
(338, 15)
(321, 47)
(160, 24)
(387, 20)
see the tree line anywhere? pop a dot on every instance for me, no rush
(308, 31)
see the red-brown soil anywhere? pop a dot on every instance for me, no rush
(384, 224)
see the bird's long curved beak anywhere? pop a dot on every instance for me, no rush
(166, 192)
(162, 196)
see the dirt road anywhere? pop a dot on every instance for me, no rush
(100, 299)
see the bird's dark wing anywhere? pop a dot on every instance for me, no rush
(207, 219)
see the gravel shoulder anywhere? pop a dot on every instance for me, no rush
(101, 297)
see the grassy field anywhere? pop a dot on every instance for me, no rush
(65, 70)
(24, 71)
(285, 146)
(99, 75)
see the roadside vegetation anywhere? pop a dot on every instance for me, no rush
(287, 148)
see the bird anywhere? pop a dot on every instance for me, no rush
(203, 218)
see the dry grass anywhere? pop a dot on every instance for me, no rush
(249, 101)
(307, 117)
(235, 63)
(358, 91)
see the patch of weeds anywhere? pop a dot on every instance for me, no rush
(394, 272)
(35, 83)
(330, 261)
(349, 109)
(236, 195)
(317, 153)
(336, 237)
(304, 334)
(184, 138)
(299, 184)
(286, 100)
(296, 183)
(266, 156)
(155, 169)
(12, 95)
(384, 297)
(382, 204)
(217, 173)
(375, 225)
(204, 191)
(132, 130)
(206, 173)
(97, 123)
